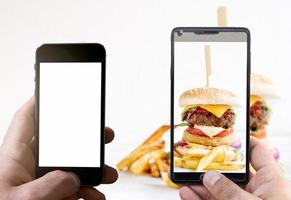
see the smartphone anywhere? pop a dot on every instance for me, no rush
(210, 89)
(70, 110)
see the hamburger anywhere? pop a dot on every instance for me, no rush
(261, 89)
(209, 115)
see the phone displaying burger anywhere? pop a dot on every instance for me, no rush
(210, 91)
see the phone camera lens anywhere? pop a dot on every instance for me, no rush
(179, 33)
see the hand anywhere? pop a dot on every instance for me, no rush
(268, 182)
(17, 166)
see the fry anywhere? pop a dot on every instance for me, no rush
(157, 134)
(220, 157)
(194, 156)
(159, 154)
(208, 158)
(186, 163)
(163, 167)
(141, 165)
(167, 180)
(154, 170)
(177, 154)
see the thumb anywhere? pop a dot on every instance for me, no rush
(52, 186)
(222, 188)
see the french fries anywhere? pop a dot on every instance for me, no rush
(150, 144)
(193, 164)
(150, 158)
(219, 158)
(125, 163)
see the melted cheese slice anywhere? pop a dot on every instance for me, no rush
(254, 99)
(217, 110)
(210, 131)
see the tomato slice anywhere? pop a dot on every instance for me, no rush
(260, 134)
(196, 131)
(224, 133)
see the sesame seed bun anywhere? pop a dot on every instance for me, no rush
(208, 96)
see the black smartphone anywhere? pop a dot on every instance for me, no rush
(70, 110)
(210, 89)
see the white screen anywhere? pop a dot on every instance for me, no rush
(69, 114)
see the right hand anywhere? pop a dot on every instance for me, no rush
(268, 182)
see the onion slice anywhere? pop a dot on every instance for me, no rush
(236, 144)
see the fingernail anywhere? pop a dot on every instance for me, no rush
(75, 178)
(210, 178)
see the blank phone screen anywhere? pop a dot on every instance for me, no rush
(69, 114)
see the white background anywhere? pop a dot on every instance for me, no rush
(69, 114)
(136, 35)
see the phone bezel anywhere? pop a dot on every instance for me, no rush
(196, 178)
(74, 52)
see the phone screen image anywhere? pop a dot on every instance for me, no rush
(210, 102)
(69, 114)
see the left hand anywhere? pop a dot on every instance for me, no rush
(17, 171)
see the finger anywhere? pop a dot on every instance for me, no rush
(187, 194)
(222, 188)
(90, 193)
(20, 153)
(110, 175)
(109, 135)
(260, 155)
(21, 129)
(202, 192)
(54, 185)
